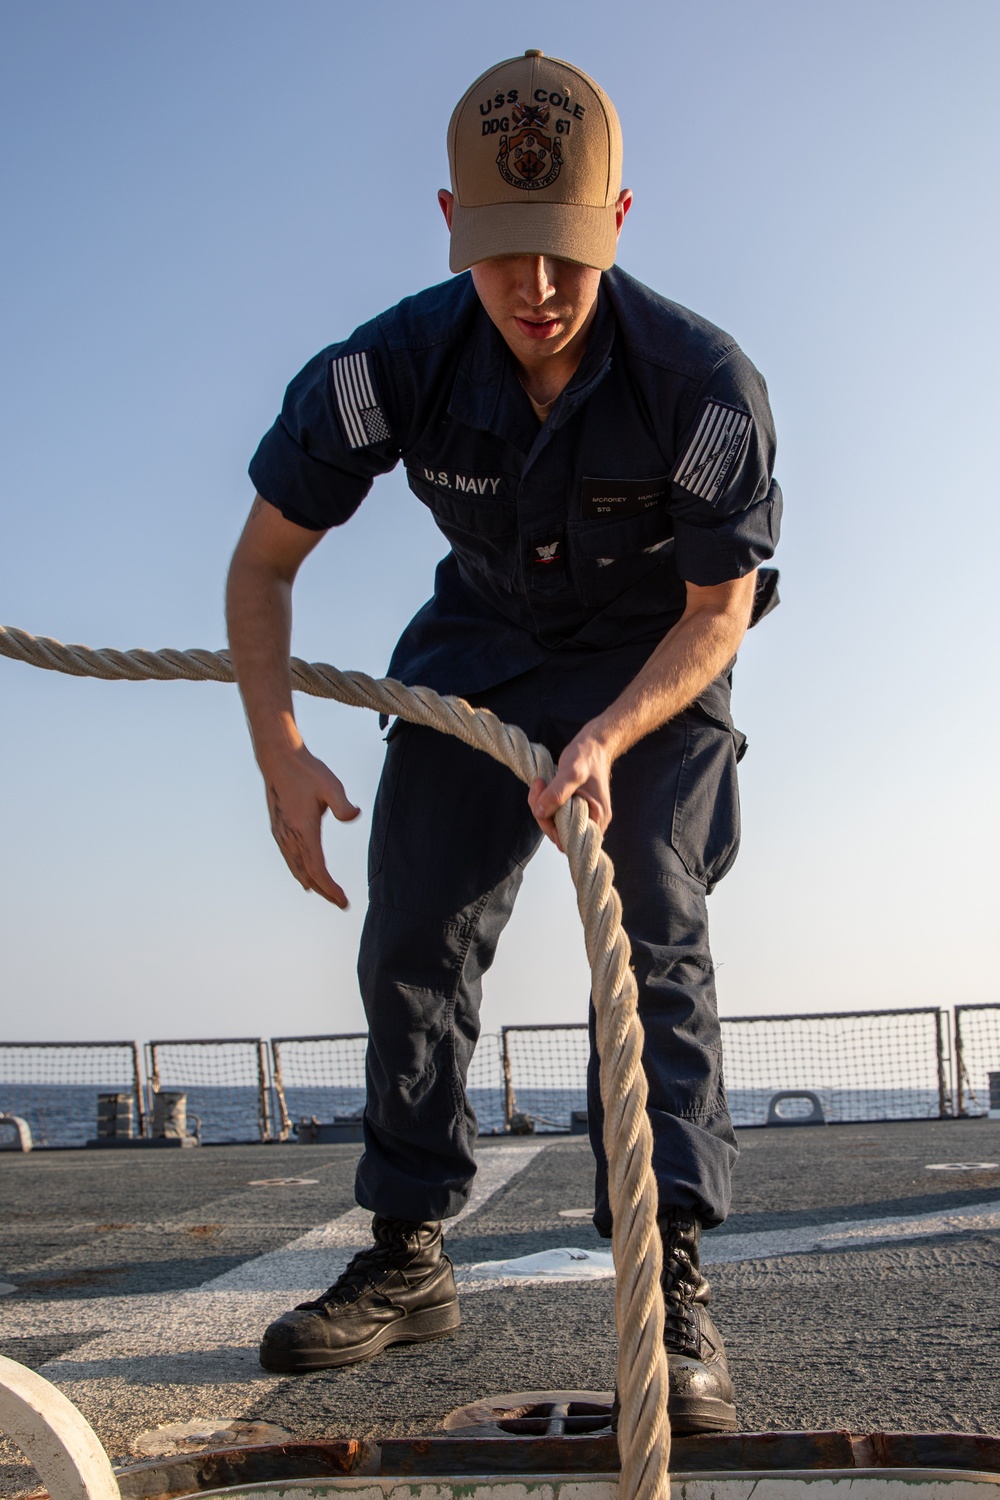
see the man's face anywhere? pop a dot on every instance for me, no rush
(539, 304)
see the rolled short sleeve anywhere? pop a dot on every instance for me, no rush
(725, 504)
(335, 433)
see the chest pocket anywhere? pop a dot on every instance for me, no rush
(482, 530)
(608, 558)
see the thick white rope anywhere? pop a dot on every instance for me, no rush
(643, 1428)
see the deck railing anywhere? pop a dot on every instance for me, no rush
(977, 1056)
(861, 1065)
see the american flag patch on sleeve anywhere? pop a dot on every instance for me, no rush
(361, 417)
(704, 467)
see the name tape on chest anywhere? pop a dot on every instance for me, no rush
(361, 417)
(612, 499)
(718, 438)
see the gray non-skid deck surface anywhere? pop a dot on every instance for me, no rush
(143, 1279)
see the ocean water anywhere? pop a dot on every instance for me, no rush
(67, 1115)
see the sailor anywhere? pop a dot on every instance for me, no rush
(599, 460)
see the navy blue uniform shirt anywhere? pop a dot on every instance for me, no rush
(654, 467)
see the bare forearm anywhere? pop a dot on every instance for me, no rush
(699, 647)
(259, 617)
(299, 787)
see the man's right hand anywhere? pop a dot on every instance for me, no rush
(298, 795)
(300, 788)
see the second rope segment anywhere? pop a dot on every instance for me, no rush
(643, 1425)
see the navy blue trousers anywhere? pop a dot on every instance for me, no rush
(451, 836)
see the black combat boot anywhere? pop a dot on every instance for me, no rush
(400, 1291)
(701, 1393)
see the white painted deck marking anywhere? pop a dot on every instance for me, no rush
(847, 1234)
(208, 1335)
(727, 1249)
(182, 1332)
(284, 1182)
(962, 1166)
(306, 1264)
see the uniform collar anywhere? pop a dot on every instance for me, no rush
(487, 366)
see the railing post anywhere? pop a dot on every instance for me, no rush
(278, 1084)
(263, 1092)
(152, 1076)
(139, 1101)
(942, 1083)
(509, 1101)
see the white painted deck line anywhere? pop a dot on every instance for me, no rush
(571, 1264)
(847, 1234)
(307, 1262)
(188, 1328)
(209, 1335)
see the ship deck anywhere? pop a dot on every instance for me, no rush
(855, 1282)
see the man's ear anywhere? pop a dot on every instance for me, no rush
(447, 202)
(622, 207)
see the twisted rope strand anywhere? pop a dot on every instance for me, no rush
(643, 1429)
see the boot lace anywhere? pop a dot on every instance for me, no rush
(681, 1333)
(366, 1269)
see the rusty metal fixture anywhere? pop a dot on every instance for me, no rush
(517, 1455)
(222, 1468)
(938, 1450)
(552, 1414)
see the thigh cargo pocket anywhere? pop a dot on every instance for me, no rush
(706, 824)
(395, 742)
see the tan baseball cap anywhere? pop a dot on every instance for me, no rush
(535, 151)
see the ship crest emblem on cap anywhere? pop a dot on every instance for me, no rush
(529, 157)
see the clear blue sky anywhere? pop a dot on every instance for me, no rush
(198, 196)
